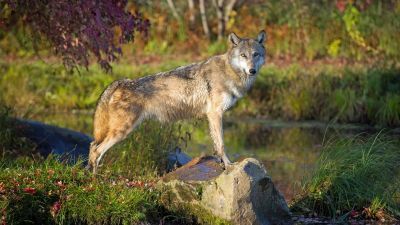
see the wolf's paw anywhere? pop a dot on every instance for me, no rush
(226, 162)
(88, 167)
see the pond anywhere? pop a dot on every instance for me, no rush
(288, 150)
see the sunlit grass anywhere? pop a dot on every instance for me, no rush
(48, 191)
(354, 174)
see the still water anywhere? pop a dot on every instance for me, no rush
(288, 150)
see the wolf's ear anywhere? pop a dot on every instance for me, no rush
(261, 37)
(233, 39)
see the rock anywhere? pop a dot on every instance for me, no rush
(69, 144)
(241, 194)
(177, 159)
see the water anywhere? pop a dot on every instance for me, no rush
(288, 150)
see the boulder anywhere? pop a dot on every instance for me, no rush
(241, 194)
(68, 144)
(177, 159)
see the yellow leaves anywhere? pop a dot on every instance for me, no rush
(351, 18)
(334, 47)
(231, 20)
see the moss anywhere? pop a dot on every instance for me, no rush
(197, 214)
(183, 199)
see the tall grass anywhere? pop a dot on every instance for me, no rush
(144, 153)
(354, 174)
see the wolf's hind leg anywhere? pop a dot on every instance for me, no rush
(217, 135)
(119, 129)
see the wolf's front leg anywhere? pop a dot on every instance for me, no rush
(217, 134)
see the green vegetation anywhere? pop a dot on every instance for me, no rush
(144, 153)
(318, 92)
(354, 176)
(48, 192)
(39, 87)
(350, 94)
(300, 29)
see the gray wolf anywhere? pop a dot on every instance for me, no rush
(204, 89)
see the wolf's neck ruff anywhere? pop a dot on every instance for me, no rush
(204, 89)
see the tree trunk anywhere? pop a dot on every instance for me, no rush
(223, 9)
(173, 9)
(204, 19)
(191, 12)
(228, 9)
(219, 6)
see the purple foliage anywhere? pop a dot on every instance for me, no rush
(76, 27)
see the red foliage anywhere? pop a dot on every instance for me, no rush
(55, 208)
(2, 188)
(75, 28)
(29, 190)
(341, 5)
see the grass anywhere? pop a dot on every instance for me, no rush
(48, 192)
(354, 176)
(144, 153)
(347, 94)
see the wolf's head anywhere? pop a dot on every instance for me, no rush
(247, 55)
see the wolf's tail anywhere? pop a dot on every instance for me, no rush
(100, 123)
(101, 116)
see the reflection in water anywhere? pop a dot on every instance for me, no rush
(287, 153)
(288, 150)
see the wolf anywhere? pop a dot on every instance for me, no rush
(204, 89)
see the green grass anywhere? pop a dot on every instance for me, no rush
(357, 93)
(31, 192)
(358, 174)
(36, 87)
(144, 153)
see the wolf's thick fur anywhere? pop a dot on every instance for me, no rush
(201, 89)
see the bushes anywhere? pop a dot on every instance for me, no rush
(357, 174)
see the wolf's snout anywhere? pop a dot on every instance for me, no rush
(252, 71)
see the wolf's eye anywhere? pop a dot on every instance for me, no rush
(256, 54)
(243, 55)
